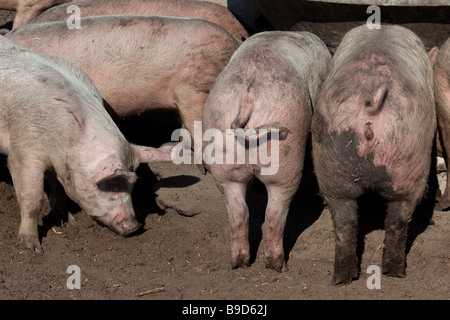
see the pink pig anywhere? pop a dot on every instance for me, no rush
(60, 130)
(373, 129)
(140, 63)
(269, 84)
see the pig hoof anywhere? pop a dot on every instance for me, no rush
(71, 219)
(277, 264)
(345, 276)
(31, 242)
(392, 269)
(240, 261)
(443, 204)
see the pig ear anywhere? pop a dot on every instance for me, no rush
(110, 173)
(432, 54)
(149, 154)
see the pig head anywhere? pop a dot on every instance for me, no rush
(104, 190)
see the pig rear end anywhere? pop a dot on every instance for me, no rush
(373, 130)
(262, 101)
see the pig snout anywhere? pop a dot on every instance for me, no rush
(126, 227)
(120, 223)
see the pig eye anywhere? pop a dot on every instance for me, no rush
(115, 185)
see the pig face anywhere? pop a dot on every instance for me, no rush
(114, 197)
(105, 194)
(104, 190)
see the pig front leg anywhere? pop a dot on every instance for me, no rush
(396, 225)
(344, 213)
(279, 200)
(28, 180)
(238, 215)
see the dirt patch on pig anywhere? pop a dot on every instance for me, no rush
(183, 252)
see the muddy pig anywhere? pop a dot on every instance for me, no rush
(442, 94)
(139, 63)
(212, 12)
(53, 124)
(262, 99)
(373, 128)
(27, 10)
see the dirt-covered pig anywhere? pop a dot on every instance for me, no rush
(140, 63)
(261, 106)
(213, 12)
(53, 124)
(373, 129)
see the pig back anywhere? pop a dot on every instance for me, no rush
(56, 103)
(213, 12)
(152, 55)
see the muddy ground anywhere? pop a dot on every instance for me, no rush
(183, 252)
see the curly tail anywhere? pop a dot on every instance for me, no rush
(258, 134)
(375, 103)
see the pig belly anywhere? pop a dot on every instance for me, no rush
(132, 101)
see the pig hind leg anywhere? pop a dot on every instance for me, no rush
(279, 201)
(238, 216)
(28, 180)
(344, 213)
(396, 226)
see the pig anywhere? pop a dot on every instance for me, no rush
(441, 68)
(140, 63)
(373, 128)
(269, 86)
(212, 12)
(53, 125)
(27, 10)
